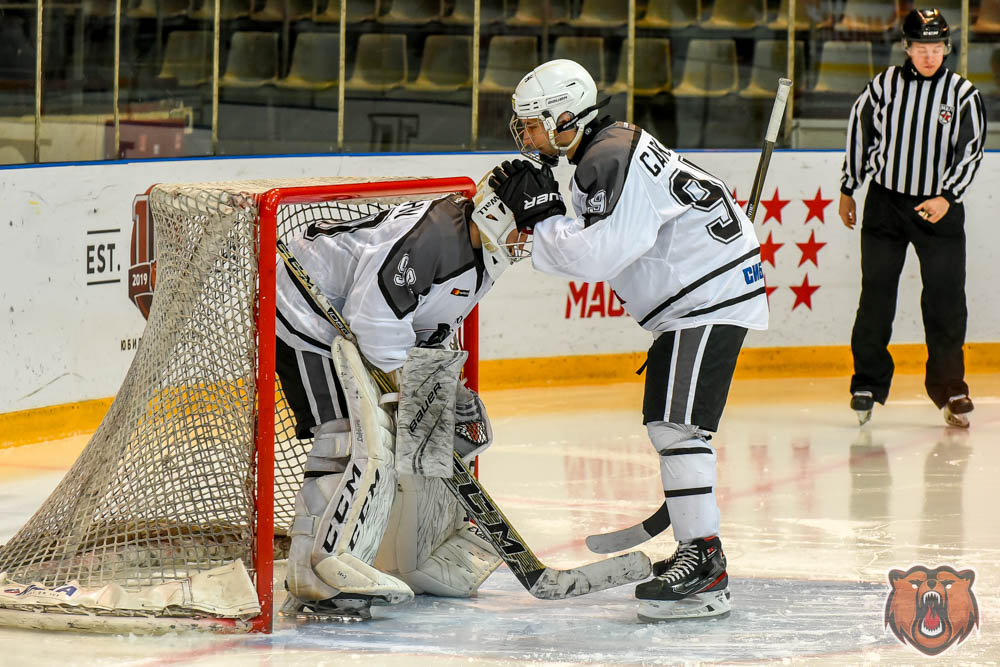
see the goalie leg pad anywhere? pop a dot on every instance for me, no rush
(430, 545)
(341, 519)
(687, 468)
(331, 448)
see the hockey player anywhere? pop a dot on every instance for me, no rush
(685, 263)
(404, 277)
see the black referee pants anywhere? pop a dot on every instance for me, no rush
(888, 226)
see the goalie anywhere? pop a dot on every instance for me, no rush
(365, 531)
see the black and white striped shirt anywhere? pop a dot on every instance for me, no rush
(916, 135)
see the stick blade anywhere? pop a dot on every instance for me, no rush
(627, 538)
(627, 568)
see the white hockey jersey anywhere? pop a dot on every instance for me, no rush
(404, 276)
(667, 236)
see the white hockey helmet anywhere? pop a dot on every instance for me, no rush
(495, 223)
(545, 94)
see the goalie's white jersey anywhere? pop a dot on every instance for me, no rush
(403, 276)
(666, 235)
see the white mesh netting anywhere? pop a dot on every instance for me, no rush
(165, 488)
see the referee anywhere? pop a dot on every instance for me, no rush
(918, 130)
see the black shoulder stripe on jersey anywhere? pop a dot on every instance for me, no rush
(687, 289)
(436, 249)
(333, 228)
(727, 303)
(601, 176)
(301, 336)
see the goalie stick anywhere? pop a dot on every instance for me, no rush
(543, 582)
(659, 521)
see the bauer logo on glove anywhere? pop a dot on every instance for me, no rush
(531, 194)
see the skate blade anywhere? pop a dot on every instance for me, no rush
(716, 604)
(325, 617)
(958, 421)
(297, 610)
(863, 416)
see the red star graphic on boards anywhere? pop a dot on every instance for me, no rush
(768, 249)
(803, 293)
(767, 291)
(741, 202)
(774, 206)
(810, 250)
(817, 206)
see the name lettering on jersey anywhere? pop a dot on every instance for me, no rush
(753, 274)
(596, 204)
(405, 276)
(543, 198)
(594, 300)
(413, 209)
(654, 158)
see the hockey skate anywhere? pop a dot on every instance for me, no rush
(343, 608)
(692, 583)
(956, 412)
(862, 403)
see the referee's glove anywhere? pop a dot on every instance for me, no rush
(532, 194)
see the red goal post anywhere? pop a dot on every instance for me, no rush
(169, 518)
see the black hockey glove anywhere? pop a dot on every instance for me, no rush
(532, 194)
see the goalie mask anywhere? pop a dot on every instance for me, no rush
(496, 229)
(545, 94)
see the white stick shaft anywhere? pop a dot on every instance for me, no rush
(778, 111)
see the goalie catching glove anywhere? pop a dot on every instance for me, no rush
(532, 194)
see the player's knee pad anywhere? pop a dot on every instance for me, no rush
(687, 468)
(686, 455)
(340, 519)
(430, 545)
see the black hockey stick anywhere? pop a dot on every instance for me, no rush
(777, 113)
(541, 581)
(626, 538)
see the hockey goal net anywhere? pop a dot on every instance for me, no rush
(170, 516)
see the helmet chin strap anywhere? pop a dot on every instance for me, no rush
(568, 124)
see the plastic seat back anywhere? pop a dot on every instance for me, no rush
(314, 62)
(187, 57)
(845, 67)
(652, 68)
(508, 59)
(252, 61)
(380, 63)
(709, 69)
(671, 14)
